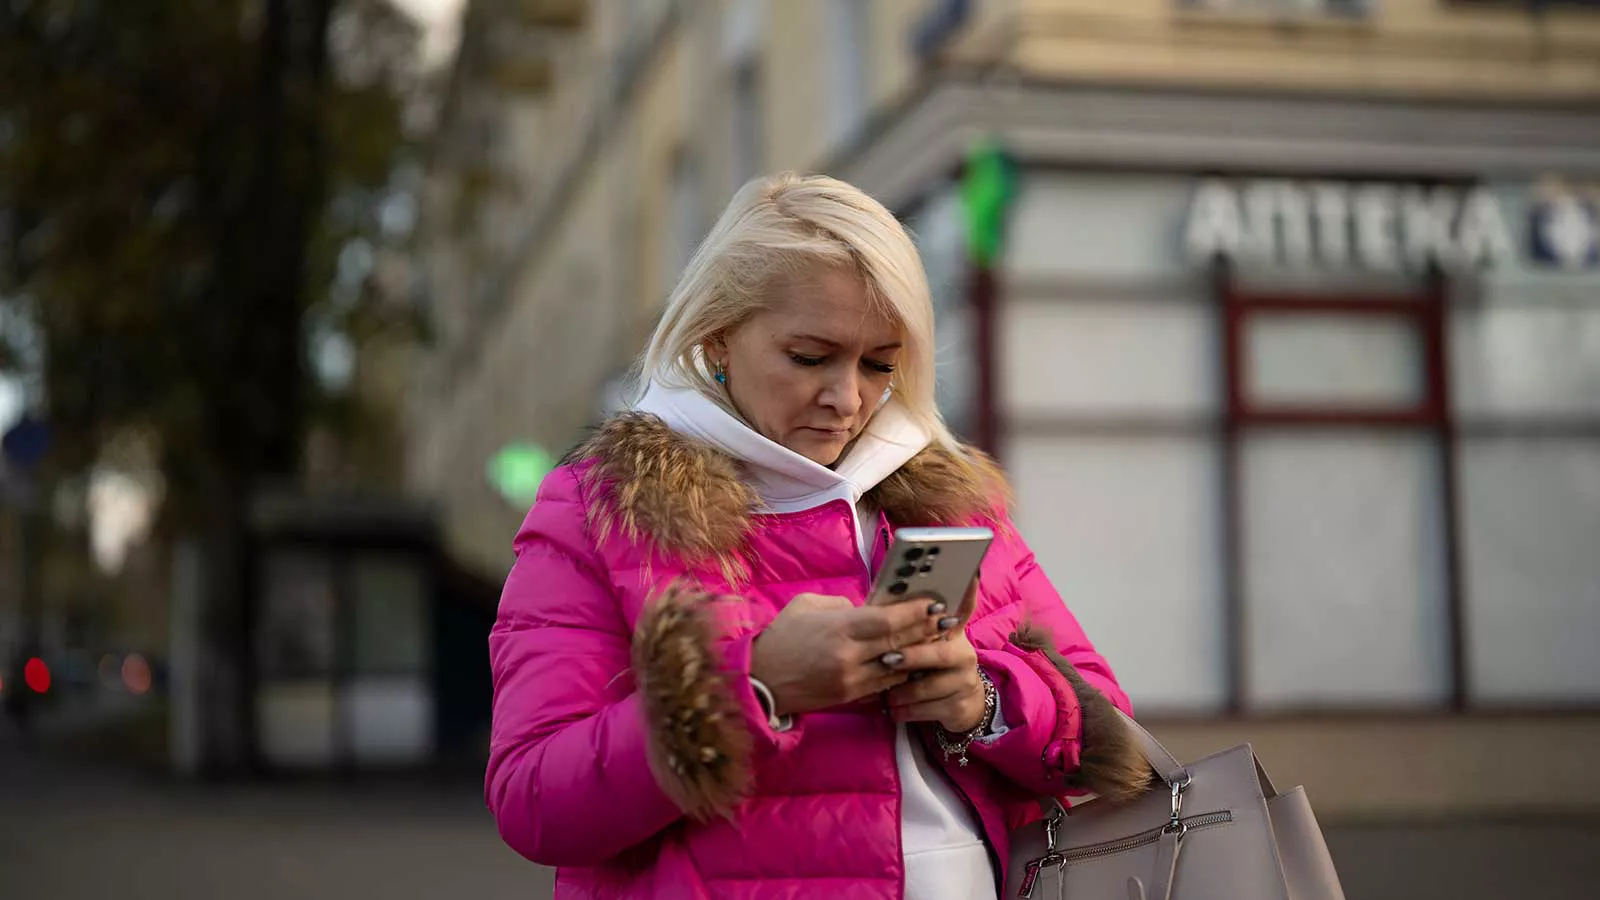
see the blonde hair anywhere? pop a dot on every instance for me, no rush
(786, 226)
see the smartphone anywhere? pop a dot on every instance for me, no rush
(940, 561)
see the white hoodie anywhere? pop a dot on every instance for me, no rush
(945, 857)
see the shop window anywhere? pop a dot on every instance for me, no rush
(391, 616)
(1109, 358)
(295, 649)
(296, 636)
(389, 705)
(1338, 453)
(1343, 569)
(1318, 360)
(343, 648)
(1331, 361)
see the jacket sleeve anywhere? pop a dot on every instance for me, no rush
(603, 735)
(1058, 694)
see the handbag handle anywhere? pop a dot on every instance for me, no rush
(1174, 773)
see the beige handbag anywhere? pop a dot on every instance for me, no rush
(1214, 830)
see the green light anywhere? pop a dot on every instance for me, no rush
(516, 471)
(988, 182)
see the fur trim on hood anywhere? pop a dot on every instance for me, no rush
(687, 498)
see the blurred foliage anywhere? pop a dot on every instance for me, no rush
(191, 192)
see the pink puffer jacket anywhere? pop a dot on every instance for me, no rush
(628, 748)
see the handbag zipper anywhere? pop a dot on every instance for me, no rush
(1144, 838)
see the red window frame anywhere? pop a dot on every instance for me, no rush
(1426, 310)
(1423, 311)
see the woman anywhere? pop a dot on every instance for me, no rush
(690, 698)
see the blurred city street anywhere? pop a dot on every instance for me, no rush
(71, 830)
(1281, 318)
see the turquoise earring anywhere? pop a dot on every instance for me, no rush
(721, 374)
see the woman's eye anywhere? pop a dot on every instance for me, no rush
(881, 368)
(806, 360)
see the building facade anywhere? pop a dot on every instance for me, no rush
(1292, 350)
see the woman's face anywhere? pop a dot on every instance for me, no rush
(809, 371)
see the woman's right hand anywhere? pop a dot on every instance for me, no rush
(824, 651)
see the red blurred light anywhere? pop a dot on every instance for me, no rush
(37, 675)
(136, 674)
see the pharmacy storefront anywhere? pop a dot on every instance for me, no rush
(1304, 422)
(1300, 397)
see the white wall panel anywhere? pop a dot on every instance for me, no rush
(1343, 572)
(1531, 534)
(1525, 360)
(1127, 531)
(1099, 227)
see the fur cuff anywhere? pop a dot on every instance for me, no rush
(1110, 763)
(688, 499)
(699, 744)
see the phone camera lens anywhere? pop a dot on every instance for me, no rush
(914, 553)
(927, 569)
(933, 551)
(907, 571)
(898, 588)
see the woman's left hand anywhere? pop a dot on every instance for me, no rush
(949, 692)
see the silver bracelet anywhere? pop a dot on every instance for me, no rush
(956, 745)
(769, 705)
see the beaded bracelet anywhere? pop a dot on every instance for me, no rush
(956, 745)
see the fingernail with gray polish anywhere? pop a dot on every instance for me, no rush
(936, 608)
(892, 658)
(947, 623)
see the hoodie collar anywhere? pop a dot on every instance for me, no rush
(785, 480)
